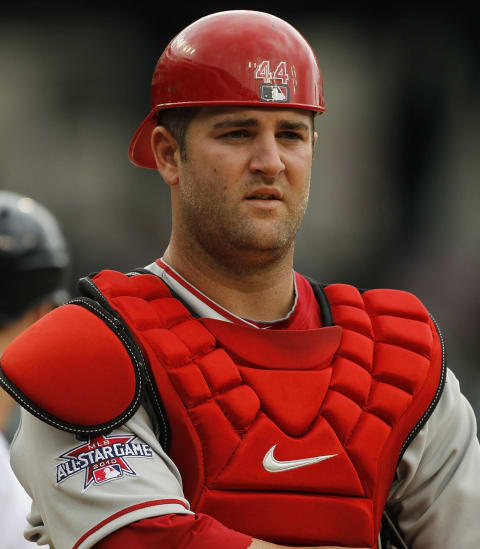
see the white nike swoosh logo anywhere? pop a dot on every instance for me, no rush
(272, 465)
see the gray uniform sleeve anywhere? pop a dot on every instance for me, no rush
(436, 497)
(82, 490)
(14, 504)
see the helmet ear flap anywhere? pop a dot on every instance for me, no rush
(232, 58)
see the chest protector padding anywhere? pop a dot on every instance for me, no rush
(354, 391)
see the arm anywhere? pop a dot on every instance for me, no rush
(77, 500)
(437, 494)
(259, 544)
(14, 504)
(184, 532)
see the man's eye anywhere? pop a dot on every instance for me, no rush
(236, 134)
(289, 135)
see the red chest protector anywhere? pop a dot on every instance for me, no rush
(352, 395)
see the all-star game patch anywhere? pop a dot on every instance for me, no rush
(103, 458)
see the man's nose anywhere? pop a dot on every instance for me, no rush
(266, 158)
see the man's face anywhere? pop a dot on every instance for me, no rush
(243, 187)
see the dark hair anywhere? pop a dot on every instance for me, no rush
(177, 120)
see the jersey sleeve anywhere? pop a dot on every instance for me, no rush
(85, 489)
(436, 496)
(177, 531)
(14, 504)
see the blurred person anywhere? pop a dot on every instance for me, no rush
(33, 259)
(217, 398)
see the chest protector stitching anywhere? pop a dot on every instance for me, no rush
(238, 399)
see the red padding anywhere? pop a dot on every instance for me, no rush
(72, 366)
(175, 532)
(277, 349)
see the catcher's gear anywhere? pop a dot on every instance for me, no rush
(134, 339)
(239, 58)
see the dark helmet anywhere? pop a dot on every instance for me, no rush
(33, 256)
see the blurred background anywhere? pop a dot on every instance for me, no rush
(395, 185)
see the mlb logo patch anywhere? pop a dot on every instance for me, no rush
(106, 473)
(277, 93)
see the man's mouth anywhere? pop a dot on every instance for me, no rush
(262, 197)
(264, 194)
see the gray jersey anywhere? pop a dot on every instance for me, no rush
(14, 504)
(82, 492)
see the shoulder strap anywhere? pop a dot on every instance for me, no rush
(322, 301)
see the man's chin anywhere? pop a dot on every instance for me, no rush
(264, 247)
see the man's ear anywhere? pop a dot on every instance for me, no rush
(315, 137)
(167, 154)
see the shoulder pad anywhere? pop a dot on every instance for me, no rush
(76, 368)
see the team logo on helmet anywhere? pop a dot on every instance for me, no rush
(274, 92)
(103, 458)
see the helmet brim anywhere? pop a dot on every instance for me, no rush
(140, 151)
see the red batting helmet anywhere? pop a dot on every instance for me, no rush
(237, 57)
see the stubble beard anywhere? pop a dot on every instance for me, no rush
(231, 238)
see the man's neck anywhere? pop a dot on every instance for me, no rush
(263, 293)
